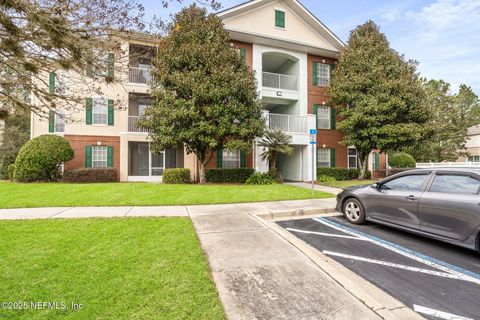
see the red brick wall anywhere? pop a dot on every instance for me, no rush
(249, 48)
(319, 95)
(79, 143)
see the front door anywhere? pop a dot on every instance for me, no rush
(396, 201)
(450, 207)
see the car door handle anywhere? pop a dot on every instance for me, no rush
(411, 198)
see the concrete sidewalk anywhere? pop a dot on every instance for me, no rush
(317, 187)
(260, 275)
(163, 211)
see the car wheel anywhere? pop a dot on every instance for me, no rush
(353, 211)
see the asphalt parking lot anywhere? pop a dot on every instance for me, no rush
(438, 280)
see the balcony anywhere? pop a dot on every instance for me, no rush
(279, 81)
(140, 75)
(287, 123)
(133, 125)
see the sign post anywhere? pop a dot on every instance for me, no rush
(313, 142)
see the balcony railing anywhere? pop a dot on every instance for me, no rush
(287, 123)
(140, 75)
(279, 81)
(133, 126)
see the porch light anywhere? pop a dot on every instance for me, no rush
(99, 143)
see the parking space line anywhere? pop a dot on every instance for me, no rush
(443, 266)
(393, 265)
(326, 234)
(437, 313)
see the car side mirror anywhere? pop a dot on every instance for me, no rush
(375, 186)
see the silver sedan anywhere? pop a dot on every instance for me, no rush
(440, 203)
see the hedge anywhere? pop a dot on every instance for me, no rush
(87, 175)
(338, 173)
(401, 160)
(39, 158)
(228, 175)
(176, 176)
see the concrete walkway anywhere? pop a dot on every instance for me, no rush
(162, 211)
(317, 187)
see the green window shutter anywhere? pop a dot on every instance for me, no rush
(315, 73)
(51, 121)
(332, 118)
(88, 156)
(279, 19)
(332, 158)
(243, 54)
(110, 156)
(243, 159)
(315, 112)
(219, 158)
(111, 65)
(111, 112)
(332, 71)
(88, 115)
(51, 83)
(377, 161)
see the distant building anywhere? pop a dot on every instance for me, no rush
(472, 145)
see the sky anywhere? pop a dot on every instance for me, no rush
(442, 35)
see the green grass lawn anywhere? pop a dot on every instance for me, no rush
(130, 268)
(346, 183)
(22, 195)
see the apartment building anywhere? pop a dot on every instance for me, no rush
(293, 56)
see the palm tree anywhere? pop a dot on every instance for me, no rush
(273, 143)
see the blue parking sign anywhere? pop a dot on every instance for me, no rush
(313, 131)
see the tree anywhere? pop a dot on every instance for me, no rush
(378, 95)
(273, 143)
(15, 135)
(206, 96)
(451, 115)
(38, 37)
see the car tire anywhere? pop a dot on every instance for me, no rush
(353, 211)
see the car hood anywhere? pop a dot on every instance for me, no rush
(362, 186)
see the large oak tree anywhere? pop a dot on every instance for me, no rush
(206, 97)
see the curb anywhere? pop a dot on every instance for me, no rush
(380, 302)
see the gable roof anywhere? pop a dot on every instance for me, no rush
(300, 10)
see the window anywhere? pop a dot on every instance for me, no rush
(413, 182)
(450, 183)
(323, 157)
(60, 121)
(279, 19)
(352, 158)
(474, 158)
(323, 117)
(99, 156)
(61, 83)
(323, 74)
(100, 111)
(230, 158)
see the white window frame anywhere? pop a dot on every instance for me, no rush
(323, 74)
(231, 158)
(100, 107)
(99, 156)
(324, 122)
(352, 156)
(61, 83)
(59, 120)
(474, 158)
(327, 154)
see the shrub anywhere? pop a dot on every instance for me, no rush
(325, 178)
(85, 175)
(228, 175)
(5, 162)
(11, 171)
(39, 158)
(261, 179)
(368, 174)
(176, 176)
(338, 173)
(401, 160)
(276, 175)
